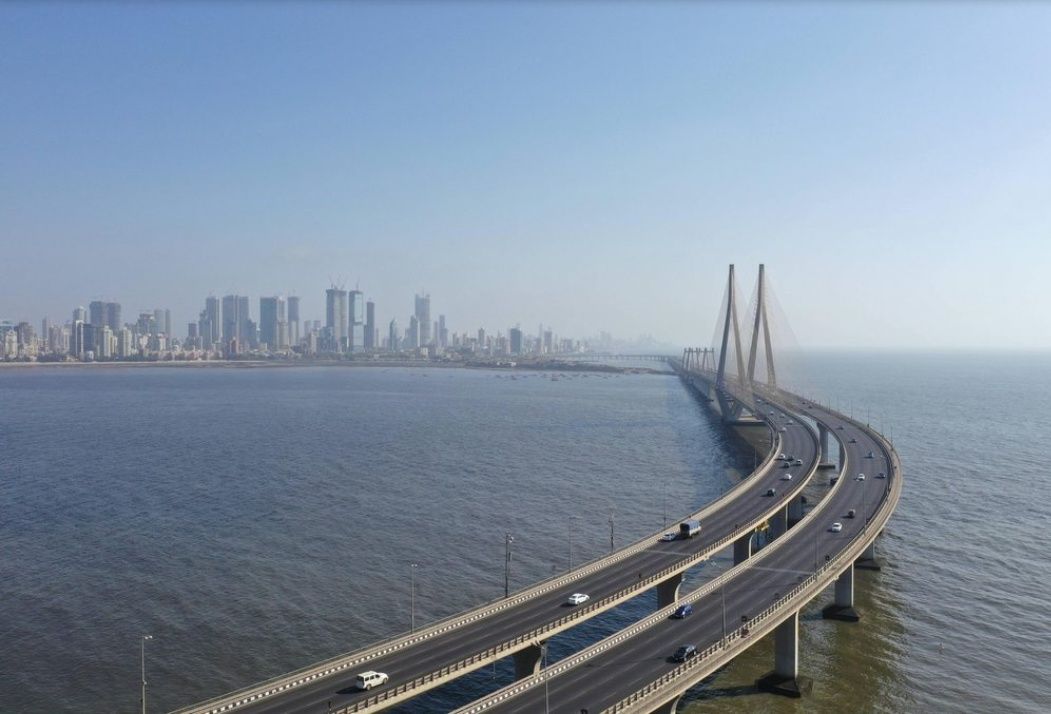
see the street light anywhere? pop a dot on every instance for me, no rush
(611, 529)
(508, 540)
(412, 597)
(142, 662)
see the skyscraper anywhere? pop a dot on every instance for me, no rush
(393, 338)
(211, 322)
(356, 322)
(236, 320)
(293, 320)
(516, 340)
(370, 326)
(423, 318)
(81, 314)
(158, 322)
(336, 319)
(412, 335)
(273, 323)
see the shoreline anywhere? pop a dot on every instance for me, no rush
(544, 366)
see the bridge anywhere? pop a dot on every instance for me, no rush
(763, 592)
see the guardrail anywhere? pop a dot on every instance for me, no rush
(341, 663)
(686, 675)
(598, 648)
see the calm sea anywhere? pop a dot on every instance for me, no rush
(257, 520)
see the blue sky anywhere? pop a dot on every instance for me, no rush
(586, 165)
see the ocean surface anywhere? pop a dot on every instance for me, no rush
(256, 520)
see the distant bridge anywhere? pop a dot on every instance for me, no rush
(629, 671)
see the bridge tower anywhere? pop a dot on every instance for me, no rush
(730, 407)
(761, 317)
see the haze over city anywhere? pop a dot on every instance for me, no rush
(536, 163)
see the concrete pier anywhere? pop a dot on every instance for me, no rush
(527, 661)
(868, 560)
(779, 524)
(743, 548)
(668, 591)
(795, 510)
(785, 679)
(824, 462)
(842, 607)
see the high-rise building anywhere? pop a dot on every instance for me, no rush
(79, 313)
(273, 323)
(158, 322)
(412, 334)
(423, 318)
(236, 322)
(211, 323)
(76, 339)
(370, 326)
(516, 340)
(443, 334)
(356, 322)
(393, 338)
(335, 320)
(293, 321)
(481, 339)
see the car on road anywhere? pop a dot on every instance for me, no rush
(870, 455)
(683, 611)
(782, 430)
(686, 652)
(770, 492)
(669, 536)
(853, 440)
(835, 527)
(780, 457)
(860, 477)
(881, 475)
(578, 599)
(370, 679)
(786, 465)
(851, 513)
(839, 428)
(798, 462)
(786, 477)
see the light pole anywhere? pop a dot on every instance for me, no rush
(664, 498)
(570, 544)
(611, 529)
(412, 597)
(142, 663)
(508, 540)
(722, 591)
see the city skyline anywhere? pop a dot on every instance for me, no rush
(259, 150)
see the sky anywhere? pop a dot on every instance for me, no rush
(589, 166)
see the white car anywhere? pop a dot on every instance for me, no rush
(368, 680)
(669, 536)
(578, 598)
(860, 477)
(786, 477)
(780, 457)
(835, 527)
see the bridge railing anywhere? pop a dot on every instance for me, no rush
(715, 656)
(341, 663)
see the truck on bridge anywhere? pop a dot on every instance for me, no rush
(690, 528)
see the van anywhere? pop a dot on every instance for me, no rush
(368, 680)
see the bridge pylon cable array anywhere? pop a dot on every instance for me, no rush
(761, 317)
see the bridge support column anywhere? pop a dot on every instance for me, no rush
(668, 707)
(743, 548)
(824, 462)
(843, 606)
(527, 661)
(868, 560)
(785, 679)
(779, 524)
(795, 510)
(668, 591)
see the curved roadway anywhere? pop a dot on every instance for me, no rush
(630, 665)
(444, 650)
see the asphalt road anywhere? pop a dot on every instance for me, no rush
(448, 648)
(634, 663)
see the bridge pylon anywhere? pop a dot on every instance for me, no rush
(731, 407)
(761, 317)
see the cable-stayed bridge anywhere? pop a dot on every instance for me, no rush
(631, 670)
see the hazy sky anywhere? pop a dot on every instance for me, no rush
(589, 166)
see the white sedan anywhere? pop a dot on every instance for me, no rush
(670, 536)
(786, 477)
(860, 477)
(578, 599)
(836, 527)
